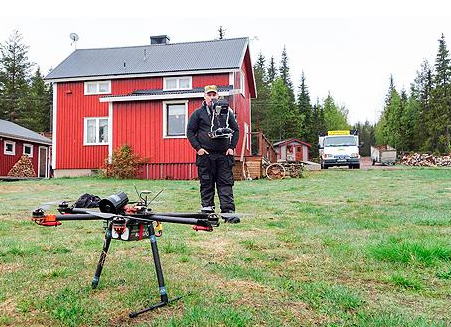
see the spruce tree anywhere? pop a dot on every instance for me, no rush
(392, 129)
(272, 71)
(318, 126)
(284, 122)
(38, 105)
(336, 118)
(305, 111)
(260, 105)
(284, 72)
(440, 114)
(442, 65)
(421, 90)
(388, 128)
(14, 74)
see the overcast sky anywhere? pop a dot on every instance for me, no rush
(348, 48)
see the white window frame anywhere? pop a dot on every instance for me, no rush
(242, 88)
(85, 131)
(9, 153)
(177, 78)
(97, 84)
(31, 151)
(165, 119)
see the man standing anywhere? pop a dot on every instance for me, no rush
(213, 132)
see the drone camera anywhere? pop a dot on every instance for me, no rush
(114, 203)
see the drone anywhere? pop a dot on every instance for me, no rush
(126, 221)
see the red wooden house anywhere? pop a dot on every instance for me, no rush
(292, 150)
(143, 96)
(16, 141)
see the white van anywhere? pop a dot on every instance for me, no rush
(339, 148)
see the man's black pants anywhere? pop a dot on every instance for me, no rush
(216, 169)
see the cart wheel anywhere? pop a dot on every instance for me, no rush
(275, 171)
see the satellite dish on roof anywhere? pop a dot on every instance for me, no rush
(74, 37)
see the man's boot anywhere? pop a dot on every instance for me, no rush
(209, 209)
(231, 219)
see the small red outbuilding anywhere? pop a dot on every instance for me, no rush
(16, 141)
(292, 150)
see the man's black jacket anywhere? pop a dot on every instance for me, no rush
(199, 125)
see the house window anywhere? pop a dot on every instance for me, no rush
(177, 83)
(28, 150)
(99, 87)
(175, 119)
(9, 148)
(242, 84)
(96, 131)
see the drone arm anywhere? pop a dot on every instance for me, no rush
(180, 220)
(55, 220)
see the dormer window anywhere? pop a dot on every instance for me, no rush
(177, 83)
(98, 87)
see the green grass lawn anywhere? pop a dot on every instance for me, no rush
(336, 248)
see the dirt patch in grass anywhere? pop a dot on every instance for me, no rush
(16, 187)
(252, 291)
(10, 267)
(217, 249)
(8, 307)
(304, 314)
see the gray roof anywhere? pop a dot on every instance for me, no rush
(155, 58)
(14, 131)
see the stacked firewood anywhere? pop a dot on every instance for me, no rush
(22, 168)
(293, 169)
(426, 160)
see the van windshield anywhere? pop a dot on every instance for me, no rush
(340, 141)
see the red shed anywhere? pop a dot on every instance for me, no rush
(292, 150)
(143, 96)
(16, 141)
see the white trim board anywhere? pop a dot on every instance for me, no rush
(55, 92)
(46, 161)
(162, 96)
(122, 76)
(110, 131)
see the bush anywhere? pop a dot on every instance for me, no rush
(124, 163)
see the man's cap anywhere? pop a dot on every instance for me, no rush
(211, 88)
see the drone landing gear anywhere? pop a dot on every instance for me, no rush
(156, 259)
(106, 246)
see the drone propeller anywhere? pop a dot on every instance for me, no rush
(47, 205)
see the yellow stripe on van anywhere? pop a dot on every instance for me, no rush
(338, 132)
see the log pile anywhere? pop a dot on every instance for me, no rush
(292, 169)
(426, 160)
(22, 168)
